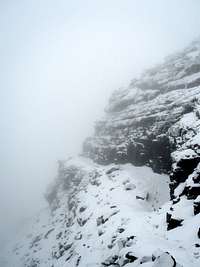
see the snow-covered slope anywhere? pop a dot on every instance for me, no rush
(156, 122)
(111, 217)
(137, 202)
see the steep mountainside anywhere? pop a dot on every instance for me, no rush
(156, 122)
(107, 216)
(137, 202)
(138, 126)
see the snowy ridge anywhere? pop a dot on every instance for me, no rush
(112, 218)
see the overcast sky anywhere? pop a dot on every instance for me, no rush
(59, 62)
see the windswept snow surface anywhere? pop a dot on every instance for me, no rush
(115, 211)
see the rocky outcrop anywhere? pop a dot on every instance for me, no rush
(98, 222)
(138, 124)
(156, 122)
(137, 202)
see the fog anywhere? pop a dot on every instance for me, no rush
(60, 61)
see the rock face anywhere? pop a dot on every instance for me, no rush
(156, 122)
(137, 202)
(141, 125)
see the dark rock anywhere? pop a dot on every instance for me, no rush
(120, 230)
(113, 169)
(110, 246)
(35, 241)
(184, 168)
(130, 237)
(95, 182)
(196, 206)
(139, 197)
(78, 236)
(173, 222)
(69, 222)
(131, 257)
(58, 236)
(101, 220)
(198, 233)
(78, 261)
(110, 261)
(129, 186)
(100, 232)
(82, 209)
(81, 222)
(69, 257)
(47, 234)
(126, 242)
(68, 246)
(192, 192)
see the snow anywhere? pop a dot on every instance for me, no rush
(139, 211)
(183, 154)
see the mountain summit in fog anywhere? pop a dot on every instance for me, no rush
(133, 196)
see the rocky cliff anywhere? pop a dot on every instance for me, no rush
(139, 125)
(134, 198)
(156, 122)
